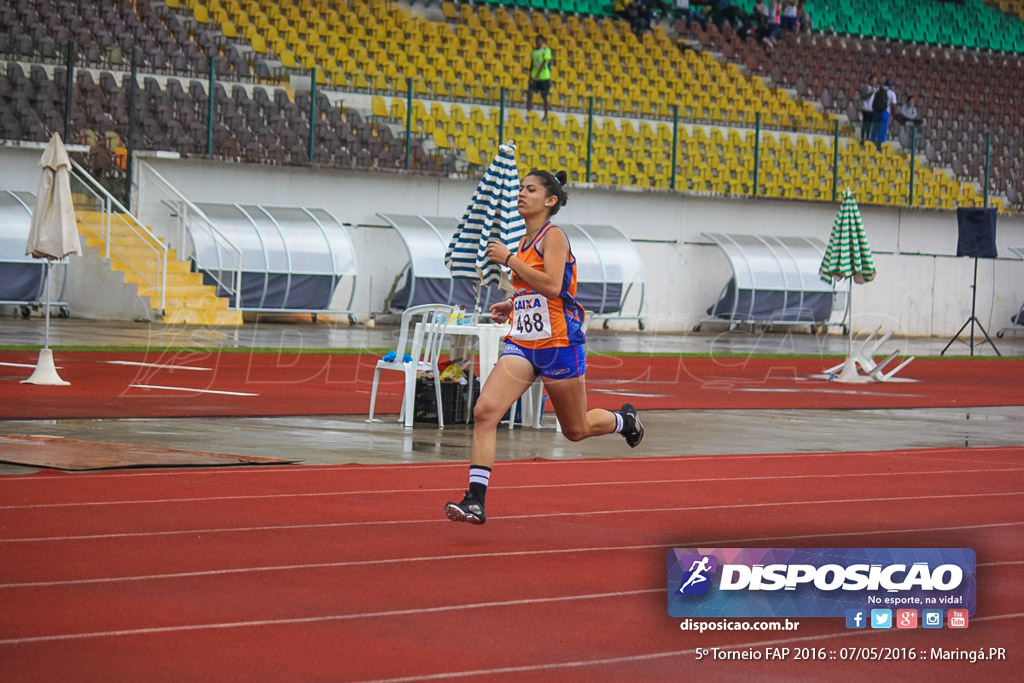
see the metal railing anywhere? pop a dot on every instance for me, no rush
(115, 214)
(659, 162)
(174, 216)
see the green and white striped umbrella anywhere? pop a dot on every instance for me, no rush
(848, 254)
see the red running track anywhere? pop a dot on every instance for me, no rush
(352, 573)
(220, 383)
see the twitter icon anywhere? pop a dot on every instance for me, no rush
(881, 618)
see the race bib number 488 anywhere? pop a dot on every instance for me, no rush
(531, 318)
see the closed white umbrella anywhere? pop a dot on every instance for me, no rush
(52, 236)
(492, 215)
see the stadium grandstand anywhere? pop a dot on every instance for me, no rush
(432, 88)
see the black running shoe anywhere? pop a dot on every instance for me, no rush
(469, 510)
(632, 428)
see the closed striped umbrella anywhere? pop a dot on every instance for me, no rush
(492, 214)
(848, 254)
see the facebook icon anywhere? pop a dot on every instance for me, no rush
(856, 618)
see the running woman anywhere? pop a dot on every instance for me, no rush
(546, 339)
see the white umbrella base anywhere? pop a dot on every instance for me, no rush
(45, 372)
(850, 374)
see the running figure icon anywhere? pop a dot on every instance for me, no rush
(697, 571)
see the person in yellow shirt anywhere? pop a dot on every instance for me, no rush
(540, 74)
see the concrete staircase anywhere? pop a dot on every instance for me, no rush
(188, 301)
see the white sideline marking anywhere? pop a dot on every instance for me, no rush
(192, 391)
(653, 655)
(917, 453)
(25, 365)
(470, 556)
(633, 482)
(810, 390)
(155, 365)
(329, 617)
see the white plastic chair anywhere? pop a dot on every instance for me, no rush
(865, 358)
(424, 350)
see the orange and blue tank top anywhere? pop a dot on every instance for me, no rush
(537, 321)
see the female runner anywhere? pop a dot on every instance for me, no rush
(546, 339)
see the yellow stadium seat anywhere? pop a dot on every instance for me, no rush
(441, 138)
(201, 14)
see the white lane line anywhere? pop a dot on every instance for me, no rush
(25, 365)
(919, 454)
(626, 393)
(191, 391)
(328, 617)
(339, 525)
(628, 482)
(580, 663)
(433, 610)
(168, 366)
(831, 392)
(471, 556)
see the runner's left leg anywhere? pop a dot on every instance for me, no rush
(569, 398)
(512, 376)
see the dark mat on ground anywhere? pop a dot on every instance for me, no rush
(73, 454)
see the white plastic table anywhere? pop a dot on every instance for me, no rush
(489, 338)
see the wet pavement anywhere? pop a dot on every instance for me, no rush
(350, 439)
(275, 333)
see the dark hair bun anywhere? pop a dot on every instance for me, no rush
(561, 177)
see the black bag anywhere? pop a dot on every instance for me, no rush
(454, 401)
(881, 100)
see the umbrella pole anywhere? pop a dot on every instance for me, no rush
(849, 321)
(849, 372)
(46, 298)
(45, 373)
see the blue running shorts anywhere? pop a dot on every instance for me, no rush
(564, 362)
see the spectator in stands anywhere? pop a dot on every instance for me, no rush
(767, 15)
(867, 95)
(723, 11)
(908, 114)
(756, 26)
(789, 15)
(882, 105)
(539, 69)
(804, 23)
(639, 15)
